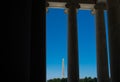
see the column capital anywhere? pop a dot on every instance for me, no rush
(98, 5)
(72, 4)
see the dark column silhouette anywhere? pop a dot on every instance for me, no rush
(114, 38)
(73, 67)
(17, 50)
(24, 52)
(38, 45)
(102, 56)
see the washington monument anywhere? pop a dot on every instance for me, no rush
(62, 67)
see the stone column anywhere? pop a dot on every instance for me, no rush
(73, 67)
(114, 38)
(102, 56)
(38, 42)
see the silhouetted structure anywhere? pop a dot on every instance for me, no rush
(63, 68)
(101, 45)
(25, 53)
(97, 8)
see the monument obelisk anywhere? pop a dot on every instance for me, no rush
(62, 67)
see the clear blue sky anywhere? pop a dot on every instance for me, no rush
(56, 42)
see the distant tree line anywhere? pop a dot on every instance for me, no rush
(86, 79)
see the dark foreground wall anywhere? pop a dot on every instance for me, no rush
(24, 50)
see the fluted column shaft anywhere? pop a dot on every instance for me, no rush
(102, 58)
(38, 42)
(114, 38)
(73, 67)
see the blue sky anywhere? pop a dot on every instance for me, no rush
(56, 42)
